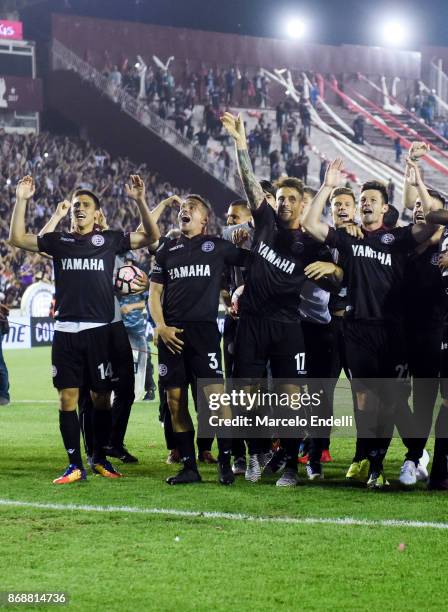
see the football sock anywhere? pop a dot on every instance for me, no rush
(291, 447)
(185, 446)
(101, 432)
(439, 470)
(70, 431)
(225, 449)
(360, 450)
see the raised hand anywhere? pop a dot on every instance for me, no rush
(413, 175)
(172, 202)
(333, 175)
(234, 126)
(136, 189)
(25, 188)
(319, 269)
(63, 208)
(417, 150)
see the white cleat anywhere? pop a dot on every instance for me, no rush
(408, 474)
(289, 478)
(253, 471)
(422, 468)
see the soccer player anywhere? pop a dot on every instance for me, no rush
(424, 308)
(81, 353)
(343, 211)
(269, 328)
(184, 298)
(438, 479)
(374, 270)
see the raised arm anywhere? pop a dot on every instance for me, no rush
(158, 211)
(150, 234)
(235, 128)
(18, 235)
(60, 212)
(410, 193)
(312, 222)
(415, 179)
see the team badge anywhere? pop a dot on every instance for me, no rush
(54, 371)
(162, 369)
(435, 259)
(208, 246)
(387, 238)
(97, 240)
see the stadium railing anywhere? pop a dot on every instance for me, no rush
(64, 58)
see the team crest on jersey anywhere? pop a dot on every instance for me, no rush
(97, 240)
(435, 259)
(387, 238)
(208, 246)
(162, 369)
(54, 371)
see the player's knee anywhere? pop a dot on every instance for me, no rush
(68, 399)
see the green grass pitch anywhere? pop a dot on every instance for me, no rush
(123, 560)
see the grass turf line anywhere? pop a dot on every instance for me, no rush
(120, 561)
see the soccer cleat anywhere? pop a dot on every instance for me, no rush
(314, 471)
(239, 466)
(173, 457)
(253, 471)
(276, 463)
(326, 457)
(185, 476)
(364, 469)
(121, 453)
(377, 480)
(264, 458)
(207, 457)
(359, 470)
(408, 474)
(225, 474)
(289, 478)
(422, 468)
(149, 395)
(72, 474)
(106, 469)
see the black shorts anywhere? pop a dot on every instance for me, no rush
(200, 356)
(83, 358)
(259, 341)
(444, 364)
(375, 350)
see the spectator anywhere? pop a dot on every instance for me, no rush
(391, 191)
(398, 150)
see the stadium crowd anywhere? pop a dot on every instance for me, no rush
(59, 165)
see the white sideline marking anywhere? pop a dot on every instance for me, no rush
(345, 521)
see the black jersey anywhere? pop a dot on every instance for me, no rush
(338, 302)
(191, 270)
(424, 297)
(83, 272)
(374, 270)
(275, 273)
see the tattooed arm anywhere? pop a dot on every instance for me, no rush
(235, 128)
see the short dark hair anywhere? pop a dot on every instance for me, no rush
(268, 186)
(81, 191)
(377, 186)
(290, 181)
(391, 217)
(205, 204)
(310, 191)
(338, 191)
(240, 203)
(438, 196)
